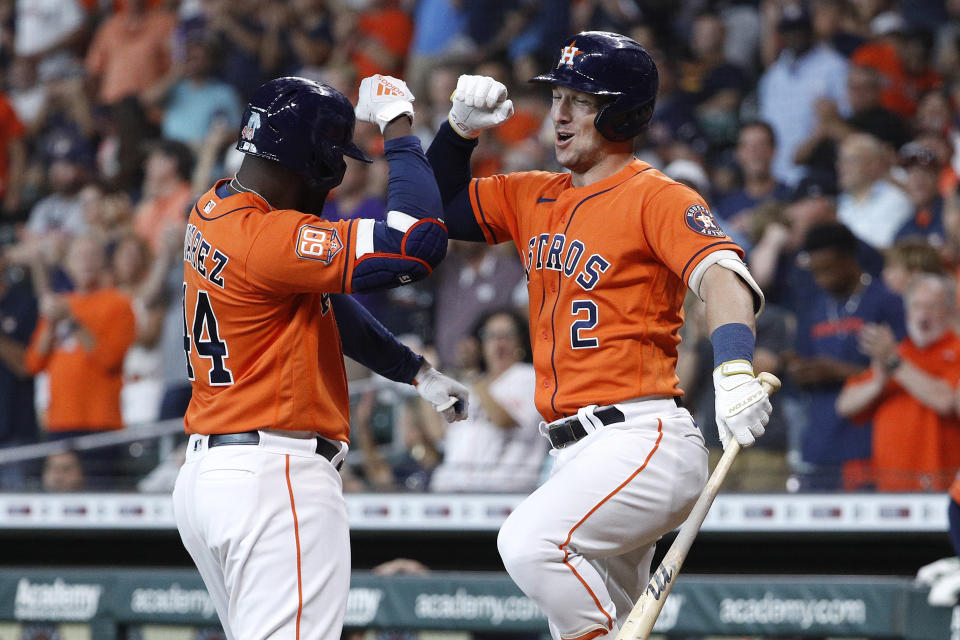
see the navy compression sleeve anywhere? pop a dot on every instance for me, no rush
(406, 246)
(449, 154)
(412, 188)
(370, 343)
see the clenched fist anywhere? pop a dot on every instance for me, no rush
(383, 99)
(447, 396)
(742, 406)
(479, 102)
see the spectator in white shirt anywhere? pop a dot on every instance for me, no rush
(789, 89)
(871, 206)
(498, 447)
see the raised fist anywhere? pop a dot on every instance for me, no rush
(383, 99)
(479, 102)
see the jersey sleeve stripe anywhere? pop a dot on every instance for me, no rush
(683, 274)
(348, 262)
(364, 237)
(491, 236)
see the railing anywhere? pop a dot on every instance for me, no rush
(736, 513)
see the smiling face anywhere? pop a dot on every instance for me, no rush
(579, 146)
(500, 342)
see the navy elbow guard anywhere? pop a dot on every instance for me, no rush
(399, 251)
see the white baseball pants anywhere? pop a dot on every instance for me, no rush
(266, 526)
(581, 544)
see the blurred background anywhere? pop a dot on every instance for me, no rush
(825, 137)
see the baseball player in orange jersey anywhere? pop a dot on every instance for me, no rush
(258, 502)
(610, 249)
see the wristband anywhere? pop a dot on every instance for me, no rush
(892, 363)
(733, 341)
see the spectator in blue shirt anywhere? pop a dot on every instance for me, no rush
(193, 98)
(790, 88)
(756, 146)
(846, 300)
(922, 187)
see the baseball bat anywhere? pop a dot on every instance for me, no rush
(644, 614)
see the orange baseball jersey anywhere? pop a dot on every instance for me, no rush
(85, 385)
(955, 489)
(263, 350)
(607, 270)
(914, 448)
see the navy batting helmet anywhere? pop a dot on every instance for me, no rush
(303, 125)
(612, 65)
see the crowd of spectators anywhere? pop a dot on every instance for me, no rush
(824, 134)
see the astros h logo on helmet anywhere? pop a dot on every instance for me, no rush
(567, 54)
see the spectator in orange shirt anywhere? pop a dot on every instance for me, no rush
(166, 192)
(80, 341)
(383, 35)
(910, 390)
(130, 51)
(902, 58)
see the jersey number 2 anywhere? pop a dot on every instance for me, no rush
(577, 341)
(213, 347)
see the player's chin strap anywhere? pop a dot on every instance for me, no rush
(728, 260)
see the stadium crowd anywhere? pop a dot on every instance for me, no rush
(825, 136)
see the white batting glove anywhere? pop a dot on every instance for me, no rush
(742, 406)
(930, 573)
(479, 102)
(447, 396)
(945, 590)
(382, 99)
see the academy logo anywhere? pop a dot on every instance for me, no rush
(318, 243)
(567, 54)
(387, 88)
(56, 601)
(702, 221)
(172, 601)
(362, 606)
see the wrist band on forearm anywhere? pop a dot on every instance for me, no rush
(733, 341)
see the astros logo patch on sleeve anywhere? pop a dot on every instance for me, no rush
(318, 243)
(702, 221)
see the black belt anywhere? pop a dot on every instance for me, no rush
(324, 447)
(570, 430)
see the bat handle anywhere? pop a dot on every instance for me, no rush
(769, 382)
(446, 405)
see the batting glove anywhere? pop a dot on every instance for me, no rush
(945, 591)
(930, 573)
(383, 99)
(742, 406)
(479, 102)
(447, 396)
